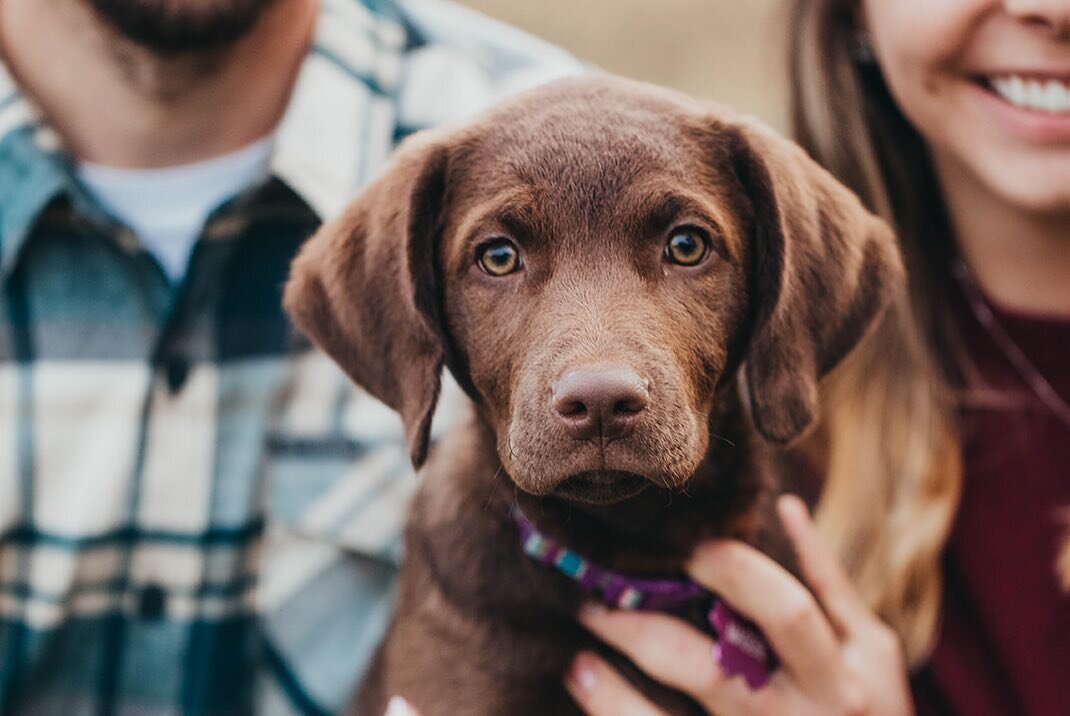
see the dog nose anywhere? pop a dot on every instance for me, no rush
(599, 400)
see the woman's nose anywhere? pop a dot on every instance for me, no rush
(1051, 15)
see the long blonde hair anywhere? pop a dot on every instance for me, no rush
(888, 440)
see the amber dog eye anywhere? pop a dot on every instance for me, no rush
(499, 257)
(686, 247)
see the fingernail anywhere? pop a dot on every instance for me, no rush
(592, 611)
(398, 706)
(793, 507)
(581, 674)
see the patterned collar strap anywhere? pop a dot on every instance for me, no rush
(741, 647)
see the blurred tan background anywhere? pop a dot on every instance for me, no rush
(729, 50)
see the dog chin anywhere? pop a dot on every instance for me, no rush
(601, 487)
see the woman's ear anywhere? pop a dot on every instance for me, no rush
(821, 270)
(364, 287)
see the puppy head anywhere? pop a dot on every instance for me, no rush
(593, 261)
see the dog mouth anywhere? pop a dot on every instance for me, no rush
(601, 487)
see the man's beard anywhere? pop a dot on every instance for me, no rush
(179, 27)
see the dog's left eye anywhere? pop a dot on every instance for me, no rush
(686, 247)
(499, 257)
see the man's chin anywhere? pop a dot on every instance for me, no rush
(601, 487)
(181, 27)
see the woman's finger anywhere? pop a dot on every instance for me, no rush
(785, 611)
(820, 568)
(601, 691)
(673, 653)
(665, 648)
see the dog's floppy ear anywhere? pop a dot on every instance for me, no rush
(822, 269)
(364, 287)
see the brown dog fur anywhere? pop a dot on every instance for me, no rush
(588, 178)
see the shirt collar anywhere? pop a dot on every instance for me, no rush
(338, 129)
(342, 121)
(32, 168)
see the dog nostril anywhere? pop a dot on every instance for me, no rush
(629, 406)
(572, 409)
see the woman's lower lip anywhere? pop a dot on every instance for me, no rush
(1029, 124)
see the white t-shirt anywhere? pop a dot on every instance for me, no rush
(167, 207)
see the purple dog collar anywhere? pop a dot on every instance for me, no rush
(741, 648)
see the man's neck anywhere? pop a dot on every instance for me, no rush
(117, 104)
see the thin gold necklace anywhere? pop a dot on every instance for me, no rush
(1040, 386)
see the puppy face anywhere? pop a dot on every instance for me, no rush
(593, 261)
(593, 269)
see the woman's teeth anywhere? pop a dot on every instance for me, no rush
(1050, 96)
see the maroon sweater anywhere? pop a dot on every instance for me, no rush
(1004, 641)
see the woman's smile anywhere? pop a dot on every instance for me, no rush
(1032, 106)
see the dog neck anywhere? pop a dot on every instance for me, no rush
(742, 648)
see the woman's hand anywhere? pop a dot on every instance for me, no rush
(842, 660)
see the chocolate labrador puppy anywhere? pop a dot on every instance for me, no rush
(639, 293)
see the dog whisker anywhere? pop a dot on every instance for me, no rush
(506, 445)
(493, 486)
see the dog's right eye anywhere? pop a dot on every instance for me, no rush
(686, 247)
(499, 257)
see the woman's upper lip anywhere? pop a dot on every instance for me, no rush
(1027, 74)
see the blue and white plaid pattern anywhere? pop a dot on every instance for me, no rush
(198, 514)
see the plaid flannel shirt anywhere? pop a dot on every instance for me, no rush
(198, 513)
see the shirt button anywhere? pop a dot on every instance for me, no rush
(152, 602)
(176, 371)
